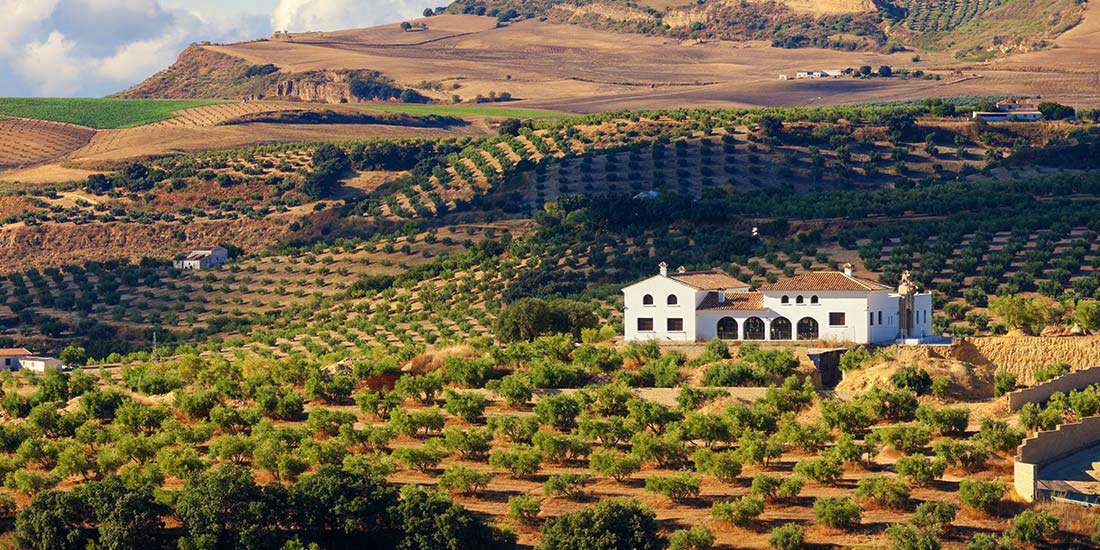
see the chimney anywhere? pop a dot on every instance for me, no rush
(848, 269)
(721, 295)
(681, 269)
(664, 269)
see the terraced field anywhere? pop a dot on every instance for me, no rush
(943, 15)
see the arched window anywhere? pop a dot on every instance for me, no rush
(807, 329)
(727, 328)
(671, 300)
(754, 328)
(647, 300)
(799, 300)
(781, 328)
(813, 299)
(785, 300)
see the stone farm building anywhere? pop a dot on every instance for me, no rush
(829, 306)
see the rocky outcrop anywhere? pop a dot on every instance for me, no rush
(323, 87)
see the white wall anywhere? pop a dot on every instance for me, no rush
(887, 331)
(854, 306)
(660, 288)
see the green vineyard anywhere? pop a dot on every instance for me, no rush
(943, 15)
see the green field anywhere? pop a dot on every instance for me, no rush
(99, 113)
(462, 110)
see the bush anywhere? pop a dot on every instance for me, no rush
(738, 512)
(909, 537)
(838, 513)
(615, 524)
(934, 516)
(698, 538)
(524, 508)
(1044, 373)
(949, 421)
(821, 470)
(912, 378)
(465, 480)
(919, 470)
(615, 465)
(570, 486)
(1036, 527)
(528, 318)
(1003, 382)
(788, 536)
(883, 491)
(468, 406)
(903, 438)
(520, 461)
(677, 487)
(724, 465)
(558, 410)
(514, 389)
(981, 495)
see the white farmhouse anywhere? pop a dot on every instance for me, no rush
(203, 259)
(827, 305)
(39, 364)
(9, 357)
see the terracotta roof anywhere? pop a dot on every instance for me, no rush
(752, 301)
(11, 352)
(826, 280)
(712, 279)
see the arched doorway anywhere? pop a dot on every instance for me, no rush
(727, 328)
(807, 329)
(781, 328)
(754, 329)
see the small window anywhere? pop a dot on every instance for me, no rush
(675, 325)
(872, 318)
(798, 300)
(813, 299)
(785, 300)
(880, 317)
(645, 324)
(671, 300)
(647, 300)
(836, 319)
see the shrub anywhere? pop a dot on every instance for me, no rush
(468, 406)
(524, 508)
(788, 536)
(570, 486)
(616, 524)
(422, 459)
(981, 495)
(520, 461)
(912, 378)
(558, 410)
(514, 389)
(821, 470)
(998, 436)
(724, 465)
(738, 512)
(677, 487)
(948, 421)
(464, 480)
(883, 491)
(909, 537)
(1003, 382)
(838, 513)
(1036, 527)
(615, 465)
(984, 541)
(698, 538)
(1044, 373)
(903, 438)
(919, 470)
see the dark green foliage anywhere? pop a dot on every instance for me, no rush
(529, 318)
(838, 513)
(610, 525)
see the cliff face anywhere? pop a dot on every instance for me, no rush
(323, 87)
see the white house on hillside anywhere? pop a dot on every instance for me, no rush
(826, 305)
(203, 259)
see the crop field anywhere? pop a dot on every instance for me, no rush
(97, 113)
(463, 111)
(28, 142)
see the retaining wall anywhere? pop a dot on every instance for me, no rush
(1048, 446)
(1022, 355)
(1067, 382)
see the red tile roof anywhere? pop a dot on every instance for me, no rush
(12, 352)
(826, 280)
(751, 301)
(712, 279)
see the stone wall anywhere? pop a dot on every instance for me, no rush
(1021, 355)
(1070, 381)
(1046, 447)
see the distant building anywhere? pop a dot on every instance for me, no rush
(203, 259)
(833, 306)
(833, 73)
(21, 358)
(1022, 110)
(38, 364)
(9, 357)
(784, 77)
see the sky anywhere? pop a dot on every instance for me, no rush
(91, 48)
